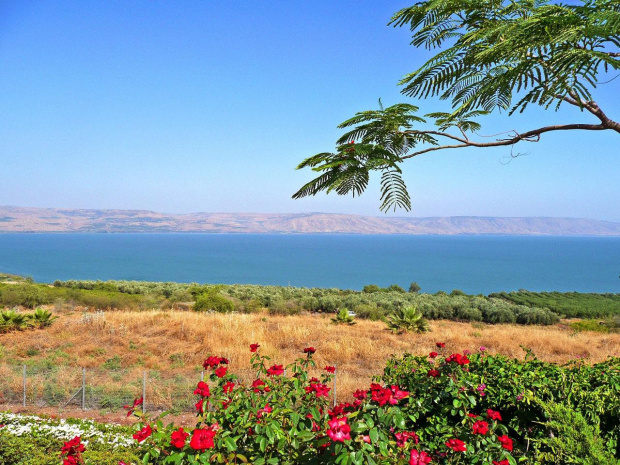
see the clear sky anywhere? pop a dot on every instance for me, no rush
(209, 105)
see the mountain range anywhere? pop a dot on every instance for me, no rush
(39, 220)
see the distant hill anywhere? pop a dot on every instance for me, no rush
(21, 219)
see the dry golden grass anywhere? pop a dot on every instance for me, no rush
(178, 342)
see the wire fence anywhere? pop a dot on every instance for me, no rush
(106, 389)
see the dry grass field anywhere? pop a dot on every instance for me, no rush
(117, 347)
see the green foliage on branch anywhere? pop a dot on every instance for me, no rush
(491, 56)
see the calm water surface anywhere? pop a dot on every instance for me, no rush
(474, 264)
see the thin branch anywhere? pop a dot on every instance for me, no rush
(529, 136)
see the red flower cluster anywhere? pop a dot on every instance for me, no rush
(143, 433)
(330, 369)
(202, 439)
(254, 347)
(432, 373)
(433, 355)
(213, 361)
(384, 396)
(202, 389)
(342, 409)
(136, 403)
(403, 437)
(177, 438)
(494, 415)
(228, 387)
(419, 458)
(440, 345)
(260, 386)
(360, 395)
(73, 450)
(458, 358)
(220, 372)
(506, 442)
(501, 462)
(309, 350)
(275, 370)
(481, 427)
(339, 429)
(321, 390)
(456, 445)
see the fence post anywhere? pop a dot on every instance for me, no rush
(83, 388)
(202, 375)
(335, 375)
(24, 385)
(143, 391)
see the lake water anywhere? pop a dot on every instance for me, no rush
(474, 264)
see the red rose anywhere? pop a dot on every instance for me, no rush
(419, 458)
(501, 462)
(70, 460)
(73, 447)
(432, 373)
(199, 406)
(202, 389)
(481, 427)
(458, 359)
(260, 386)
(456, 445)
(330, 369)
(506, 442)
(177, 439)
(220, 372)
(386, 396)
(202, 439)
(211, 362)
(494, 415)
(275, 370)
(440, 345)
(339, 429)
(360, 395)
(404, 436)
(254, 347)
(143, 433)
(228, 387)
(320, 390)
(309, 350)
(223, 361)
(136, 403)
(433, 355)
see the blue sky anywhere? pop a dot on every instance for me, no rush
(209, 106)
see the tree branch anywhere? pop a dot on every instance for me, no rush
(529, 136)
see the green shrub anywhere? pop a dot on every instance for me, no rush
(570, 438)
(284, 307)
(520, 391)
(369, 312)
(211, 301)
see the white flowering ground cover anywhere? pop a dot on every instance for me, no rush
(64, 430)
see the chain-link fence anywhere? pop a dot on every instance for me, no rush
(105, 388)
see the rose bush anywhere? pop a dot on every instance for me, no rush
(517, 393)
(285, 417)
